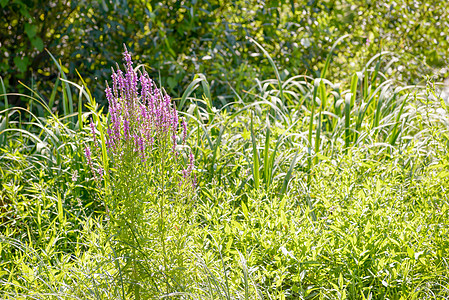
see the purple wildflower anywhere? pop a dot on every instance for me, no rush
(141, 148)
(173, 137)
(88, 156)
(174, 121)
(142, 117)
(114, 84)
(92, 128)
(186, 173)
(126, 129)
(89, 162)
(127, 58)
(184, 131)
(109, 142)
(100, 173)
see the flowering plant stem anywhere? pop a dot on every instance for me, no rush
(150, 179)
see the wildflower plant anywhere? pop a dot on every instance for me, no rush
(151, 181)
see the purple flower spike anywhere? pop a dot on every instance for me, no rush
(109, 141)
(89, 161)
(100, 173)
(143, 120)
(192, 160)
(194, 183)
(92, 128)
(184, 131)
(174, 142)
(88, 155)
(126, 129)
(141, 148)
(127, 58)
(175, 120)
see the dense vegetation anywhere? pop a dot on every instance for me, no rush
(177, 39)
(319, 174)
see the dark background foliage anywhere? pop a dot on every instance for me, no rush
(177, 39)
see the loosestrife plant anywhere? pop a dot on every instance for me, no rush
(151, 180)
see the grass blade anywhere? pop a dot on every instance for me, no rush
(53, 93)
(199, 78)
(395, 133)
(278, 77)
(266, 159)
(288, 175)
(5, 123)
(329, 56)
(67, 95)
(312, 117)
(354, 81)
(347, 120)
(256, 163)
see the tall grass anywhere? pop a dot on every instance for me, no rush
(308, 189)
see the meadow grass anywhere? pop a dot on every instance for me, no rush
(307, 189)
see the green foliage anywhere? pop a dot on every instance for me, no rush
(329, 186)
(146, 182)
(179, 38)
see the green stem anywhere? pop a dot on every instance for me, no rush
(161, 216)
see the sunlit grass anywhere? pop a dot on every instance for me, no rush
(308, 189)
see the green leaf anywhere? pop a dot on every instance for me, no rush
(3, 3)
(229, 244)
(21, 63)
(53, 93)
(288, 175)
(244, 210)
(190, 88)
(25, 13)
(354, 81)
(347, 119)
(246, 134)
(255, 157)
(171, 82)
(30, 30)
(6, 104)
(60, 209)
(38, 43)
(276, 72)
(266, 157)
(329, 56)
(410, 252)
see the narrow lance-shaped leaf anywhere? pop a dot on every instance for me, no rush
(266, 159)
(53, 93)
(276, 72)
(354, 81)
(395, 132)
(329, 56)
(199, 78)
(312, 117)
(347, 120)
(255, 157)
(288, 175)
(5, 122)
(68, 107)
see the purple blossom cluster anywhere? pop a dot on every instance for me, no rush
(98, 173)
(142, 118)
